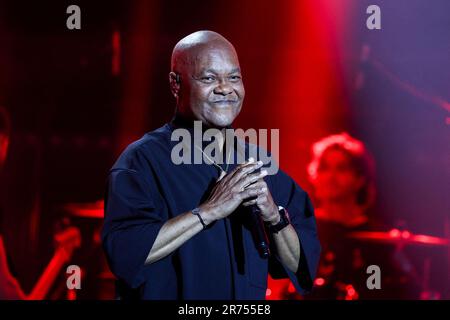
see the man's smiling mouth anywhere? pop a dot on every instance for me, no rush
(225, 102)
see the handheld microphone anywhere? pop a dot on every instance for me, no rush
(259, 232)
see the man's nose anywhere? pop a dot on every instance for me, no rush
(223, 88)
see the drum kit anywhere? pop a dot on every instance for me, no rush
(399, 240)
(92, 210)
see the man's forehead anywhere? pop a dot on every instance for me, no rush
(215, 60)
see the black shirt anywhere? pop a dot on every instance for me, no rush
(146, 189)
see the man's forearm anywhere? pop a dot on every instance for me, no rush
(287, 245)
(174, 233)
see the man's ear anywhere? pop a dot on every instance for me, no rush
(174, 81)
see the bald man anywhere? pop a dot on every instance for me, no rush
(183, 231)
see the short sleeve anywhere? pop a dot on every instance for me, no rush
(134, 214)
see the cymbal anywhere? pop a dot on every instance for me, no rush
(86, 210)
(400, 237)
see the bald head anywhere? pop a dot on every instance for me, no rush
(206, 79)
(186, 50)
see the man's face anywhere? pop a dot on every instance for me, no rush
(212, 87)
(336, 178)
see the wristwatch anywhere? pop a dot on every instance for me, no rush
(284, 221)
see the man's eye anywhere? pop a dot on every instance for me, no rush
(208, 79)
(235, 78)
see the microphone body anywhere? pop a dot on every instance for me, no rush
(259, 232)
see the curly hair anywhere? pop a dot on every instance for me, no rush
(361, 161)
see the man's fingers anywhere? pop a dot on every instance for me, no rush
(231, 174)
(253, 179)
(245, 169)
(258, 184)
(249, 203)
(251, 192)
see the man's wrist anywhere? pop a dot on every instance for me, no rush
(207, 214)
(283, 221)
(275, 218)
